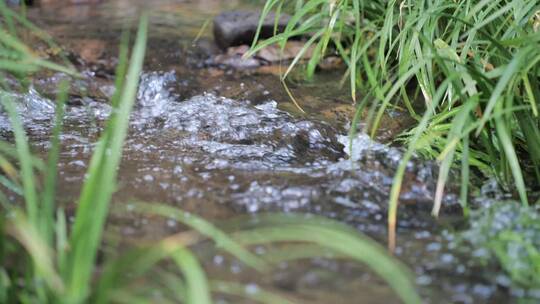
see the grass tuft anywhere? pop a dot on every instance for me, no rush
(471, 66)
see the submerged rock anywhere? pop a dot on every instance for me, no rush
(239, 27)
(272, 54)
(233, 58)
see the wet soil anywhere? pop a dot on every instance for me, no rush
(221, 142)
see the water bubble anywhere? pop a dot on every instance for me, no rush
(484, 291)
(235, 268)
(252, 288)
(433, 246)
(260, 250)
(171, 223)
(423, 280)
(447, 258)
(424, 234)
(78, 163)
(503, 280)
(178, 170)
(218, 260)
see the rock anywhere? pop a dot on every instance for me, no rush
(239, 27)
(339, 112)
(90, 50)
(331, 63)
(233, 58)
(204, 48)
(274, 53)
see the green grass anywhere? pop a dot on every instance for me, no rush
(471, 67)
(68, 275)
(46, 260)
(97, 190)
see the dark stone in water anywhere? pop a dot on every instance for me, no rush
(239, 27)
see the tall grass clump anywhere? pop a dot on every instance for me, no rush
(65, 272)
(467, 71)
(46, 260)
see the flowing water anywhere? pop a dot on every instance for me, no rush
(223, 143)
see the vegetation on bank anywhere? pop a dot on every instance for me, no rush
(44, 259)
(467, 71)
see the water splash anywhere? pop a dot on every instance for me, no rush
(232, 155)
(30, 105)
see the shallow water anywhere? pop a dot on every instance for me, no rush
(222, 143)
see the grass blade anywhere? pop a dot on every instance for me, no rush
(98, 189)
(205, 228)
(25, 159)
(340, 239)
(198, 291)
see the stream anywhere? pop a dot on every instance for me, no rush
(221, 142)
